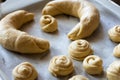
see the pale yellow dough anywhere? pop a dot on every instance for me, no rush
(78, 77)
(116, 51)
(113, 71)
(19, 41)
(93, 65)
(24, 71)
(60, 66)
(80, 49)
(48, 23)
(114, 33)
(87, 12)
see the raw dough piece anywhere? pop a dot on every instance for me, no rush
(78, 77)
(25, 71)
(80, 49)
(48, 23)
(116, 51)
(113, 71)
(93, 65)
(114, 33)
(18, 41)
(60, 66)
(87, 12)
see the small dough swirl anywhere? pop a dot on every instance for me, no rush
(24, 71)
(113, 71)
(48, 23)
(114, 33)
(116, 51)
(78, 77)
(93, 65)
(61, 66)
(80, 49)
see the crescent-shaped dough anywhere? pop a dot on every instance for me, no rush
(48, 23)
(24, 71)
(18, 41)
(78, 77)
(114, 33)
(113, 71)
(93, 65)
(60, 66)
(88, 14)
(116, 51)
(79, 49)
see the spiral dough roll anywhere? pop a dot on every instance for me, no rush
(116, 51)
(79, 49)
(113, 71)
(93, 65)
(25, 71)
(60, 66)
(48, 23)
(114, 33)
(78, 77)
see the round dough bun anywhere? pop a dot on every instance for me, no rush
(78, 77)
(80, 49)
(114, 33)
(93, 65)
(48, 23)
(116, 51)
(24, 71)
(60, 66)
(113, 71)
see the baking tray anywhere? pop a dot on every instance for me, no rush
(99, 41)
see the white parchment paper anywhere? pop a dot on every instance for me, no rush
(99, 40)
